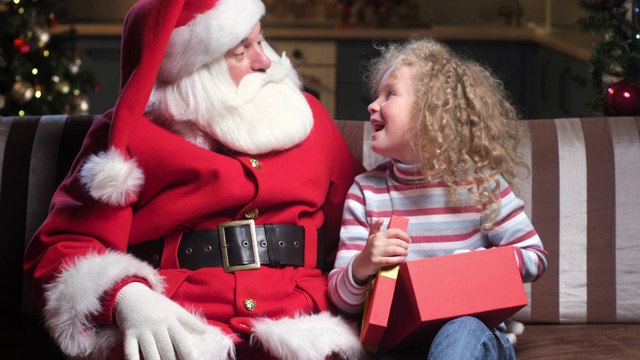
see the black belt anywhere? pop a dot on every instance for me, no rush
(243, 246)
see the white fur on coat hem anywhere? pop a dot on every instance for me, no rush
(74, 297)
(308, 337)
(111, 178)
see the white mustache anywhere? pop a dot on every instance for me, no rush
(251, 84)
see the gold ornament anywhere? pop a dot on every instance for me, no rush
(41, 34)
(75, 64)
(62, 86)
(78, 105)
(22, 91)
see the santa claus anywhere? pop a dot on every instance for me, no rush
(200, 216)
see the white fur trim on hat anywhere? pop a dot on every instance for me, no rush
(111, 178)
(208, 37)
(308, 337)
(74, 297)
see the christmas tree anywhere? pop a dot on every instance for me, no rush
(40, 73)
(615, 58)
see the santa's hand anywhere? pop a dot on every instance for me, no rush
(155, 326)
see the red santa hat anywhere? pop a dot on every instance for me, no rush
(163, 40)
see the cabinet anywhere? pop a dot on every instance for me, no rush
(561, 85)
(352, 92)
(315, 62)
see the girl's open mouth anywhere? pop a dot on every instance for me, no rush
(377, 125)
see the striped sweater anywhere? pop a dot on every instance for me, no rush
(436, 226)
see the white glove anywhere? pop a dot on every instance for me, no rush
(157, 327)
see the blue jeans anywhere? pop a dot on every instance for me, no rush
(464, 338)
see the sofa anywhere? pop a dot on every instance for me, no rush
(583, 197)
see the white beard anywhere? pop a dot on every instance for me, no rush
(266, 112)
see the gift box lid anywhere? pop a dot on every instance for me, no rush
(379, 298)
(429, 292)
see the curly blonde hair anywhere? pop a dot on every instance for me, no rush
(466, 131)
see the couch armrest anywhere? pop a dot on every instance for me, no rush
(36, 153)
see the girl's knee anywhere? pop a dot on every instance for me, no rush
(466, 324)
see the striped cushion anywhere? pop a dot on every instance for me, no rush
(583, 197)
(35, 155)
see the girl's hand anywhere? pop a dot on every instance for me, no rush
(383, 248)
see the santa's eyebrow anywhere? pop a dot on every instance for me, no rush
(247, 37)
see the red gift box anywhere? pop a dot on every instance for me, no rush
(377, 305)
(429, 292)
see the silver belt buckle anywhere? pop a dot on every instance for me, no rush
(223, 246)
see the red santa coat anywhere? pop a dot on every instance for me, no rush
(79, 252)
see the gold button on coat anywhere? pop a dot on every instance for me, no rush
(250, 304)
(251, 214)
(256, 164)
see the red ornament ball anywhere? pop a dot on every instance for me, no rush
(21, 45)
(623, 98)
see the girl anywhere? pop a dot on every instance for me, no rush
(451, 137)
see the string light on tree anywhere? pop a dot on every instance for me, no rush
(40, 72)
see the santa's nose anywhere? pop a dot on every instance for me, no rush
(260, 61)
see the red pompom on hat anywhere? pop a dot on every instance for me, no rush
(163, 40)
